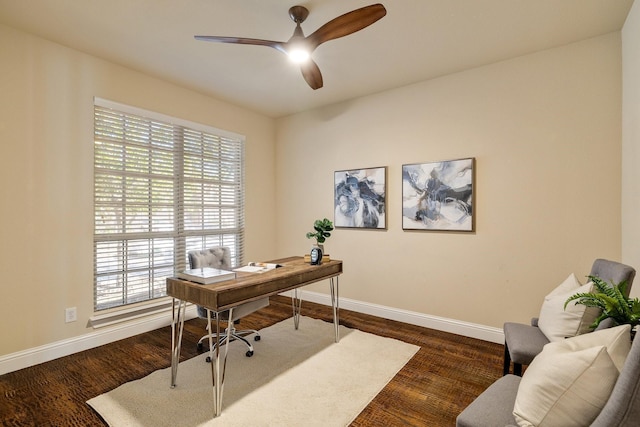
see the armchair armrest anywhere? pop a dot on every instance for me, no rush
(606, 323)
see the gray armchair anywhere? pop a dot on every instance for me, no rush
(494, 407)
(523, 342)
(220, 258)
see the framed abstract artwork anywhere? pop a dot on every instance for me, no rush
(360, 198)
(439, 196)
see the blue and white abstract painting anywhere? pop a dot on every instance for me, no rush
(360, 198)
(438, 195)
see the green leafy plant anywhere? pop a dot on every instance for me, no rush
(322, 229)
(612, 301)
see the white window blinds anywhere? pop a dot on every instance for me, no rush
(162, 187)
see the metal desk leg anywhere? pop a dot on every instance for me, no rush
(177, 325)
(296, 303)
(218, 361)
(334, 305)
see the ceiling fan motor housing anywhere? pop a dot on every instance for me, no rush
(298, 14)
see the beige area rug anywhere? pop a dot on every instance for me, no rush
(294, 378)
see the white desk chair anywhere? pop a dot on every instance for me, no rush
(220, 258)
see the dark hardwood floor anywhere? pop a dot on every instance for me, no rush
(446, 374)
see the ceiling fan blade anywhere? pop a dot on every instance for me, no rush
(311, 73)
(243, 40)
(347, 24)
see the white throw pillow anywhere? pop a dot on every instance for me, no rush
(582, 383)
(617, 340)
(570, 381)
(558, 323)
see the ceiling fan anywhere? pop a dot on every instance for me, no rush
(299, 47)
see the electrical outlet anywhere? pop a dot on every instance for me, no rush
(70, 315)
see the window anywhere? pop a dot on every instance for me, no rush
(162, 187)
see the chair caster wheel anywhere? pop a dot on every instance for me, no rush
(208, 359)
(199, 346)
(249, 353)
(256, 338)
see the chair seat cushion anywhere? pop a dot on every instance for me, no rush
(239, 311)
(524, 342)
(248, 308)
(494, 407)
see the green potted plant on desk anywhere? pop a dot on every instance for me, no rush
(322, 230)
(613, 302)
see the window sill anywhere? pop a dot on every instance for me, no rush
(120, 315)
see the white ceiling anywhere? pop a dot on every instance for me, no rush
(417, 40)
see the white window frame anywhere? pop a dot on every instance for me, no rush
(164, 186)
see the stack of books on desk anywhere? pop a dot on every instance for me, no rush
(257, 267)
(207, 275)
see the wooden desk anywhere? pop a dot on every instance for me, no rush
(246, 287)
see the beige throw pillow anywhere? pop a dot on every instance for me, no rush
(570, 381)
(617, 340)
(558, 323)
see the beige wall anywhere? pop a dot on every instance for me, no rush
(46, 167)
(545, 132)
(631, 141)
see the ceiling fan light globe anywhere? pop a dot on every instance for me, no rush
(299, 55)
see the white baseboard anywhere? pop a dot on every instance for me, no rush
(33, 356)
(471, 330)
(24, 359)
